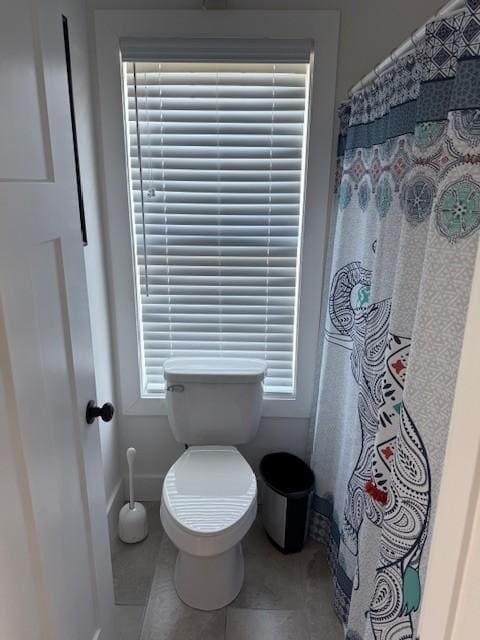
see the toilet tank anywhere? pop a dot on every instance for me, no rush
(214, 400)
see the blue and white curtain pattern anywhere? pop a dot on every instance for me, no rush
(403, 248)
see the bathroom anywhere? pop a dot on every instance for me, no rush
(234, 233)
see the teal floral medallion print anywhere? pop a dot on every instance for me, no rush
(429, 133)
(364, 193)
(458, 209)
(466, 125)
(344, 194)
(416, 197)
(383, 197)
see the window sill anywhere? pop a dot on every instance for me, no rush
(272, 407)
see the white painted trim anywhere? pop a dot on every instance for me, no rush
(148, 487)
(114, 504)
(466, 615)
(318, 25)
(459, 490)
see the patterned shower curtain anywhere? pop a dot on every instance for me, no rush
(403, 248)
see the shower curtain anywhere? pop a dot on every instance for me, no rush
(402, 253)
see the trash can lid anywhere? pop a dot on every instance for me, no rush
(286, 474)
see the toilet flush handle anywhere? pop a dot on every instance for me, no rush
(175, 387)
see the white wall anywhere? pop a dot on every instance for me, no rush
(466, 615)
(157, 450)
(94, 254)
(370, 29)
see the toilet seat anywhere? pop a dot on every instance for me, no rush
(208, 500)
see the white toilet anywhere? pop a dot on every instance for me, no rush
(209, 497)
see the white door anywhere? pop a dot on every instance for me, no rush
(55, 575)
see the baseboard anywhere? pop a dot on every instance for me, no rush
(148, 487)
(114, 504)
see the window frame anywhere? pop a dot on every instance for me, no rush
(268, 394)
(322, 28)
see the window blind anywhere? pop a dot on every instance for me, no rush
(272, 50)
(216, 154)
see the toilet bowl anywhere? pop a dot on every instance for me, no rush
(209, 496)
(209, 502)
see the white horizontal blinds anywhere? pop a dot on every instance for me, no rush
(216, 200)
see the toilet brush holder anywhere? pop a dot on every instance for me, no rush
(132, 521)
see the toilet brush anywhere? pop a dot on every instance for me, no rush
(132, 521)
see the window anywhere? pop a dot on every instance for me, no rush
(216, 163)
(204, 268)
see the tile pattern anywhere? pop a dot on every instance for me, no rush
(167, 618)
(128, 621)
(134, 564)
(245, 624)
(272, 580)
(284, 597)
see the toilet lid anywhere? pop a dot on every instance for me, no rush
(209, 489)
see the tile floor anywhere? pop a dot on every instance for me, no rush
(283, 597)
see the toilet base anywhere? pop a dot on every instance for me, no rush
(209, 582)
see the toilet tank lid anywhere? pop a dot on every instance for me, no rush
(238, 370)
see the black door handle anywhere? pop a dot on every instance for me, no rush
(105, 413)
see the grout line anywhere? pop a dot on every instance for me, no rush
(232, 606)
(140, 631)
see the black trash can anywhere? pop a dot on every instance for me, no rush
(287, 492)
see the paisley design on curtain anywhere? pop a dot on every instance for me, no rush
(402, 253)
